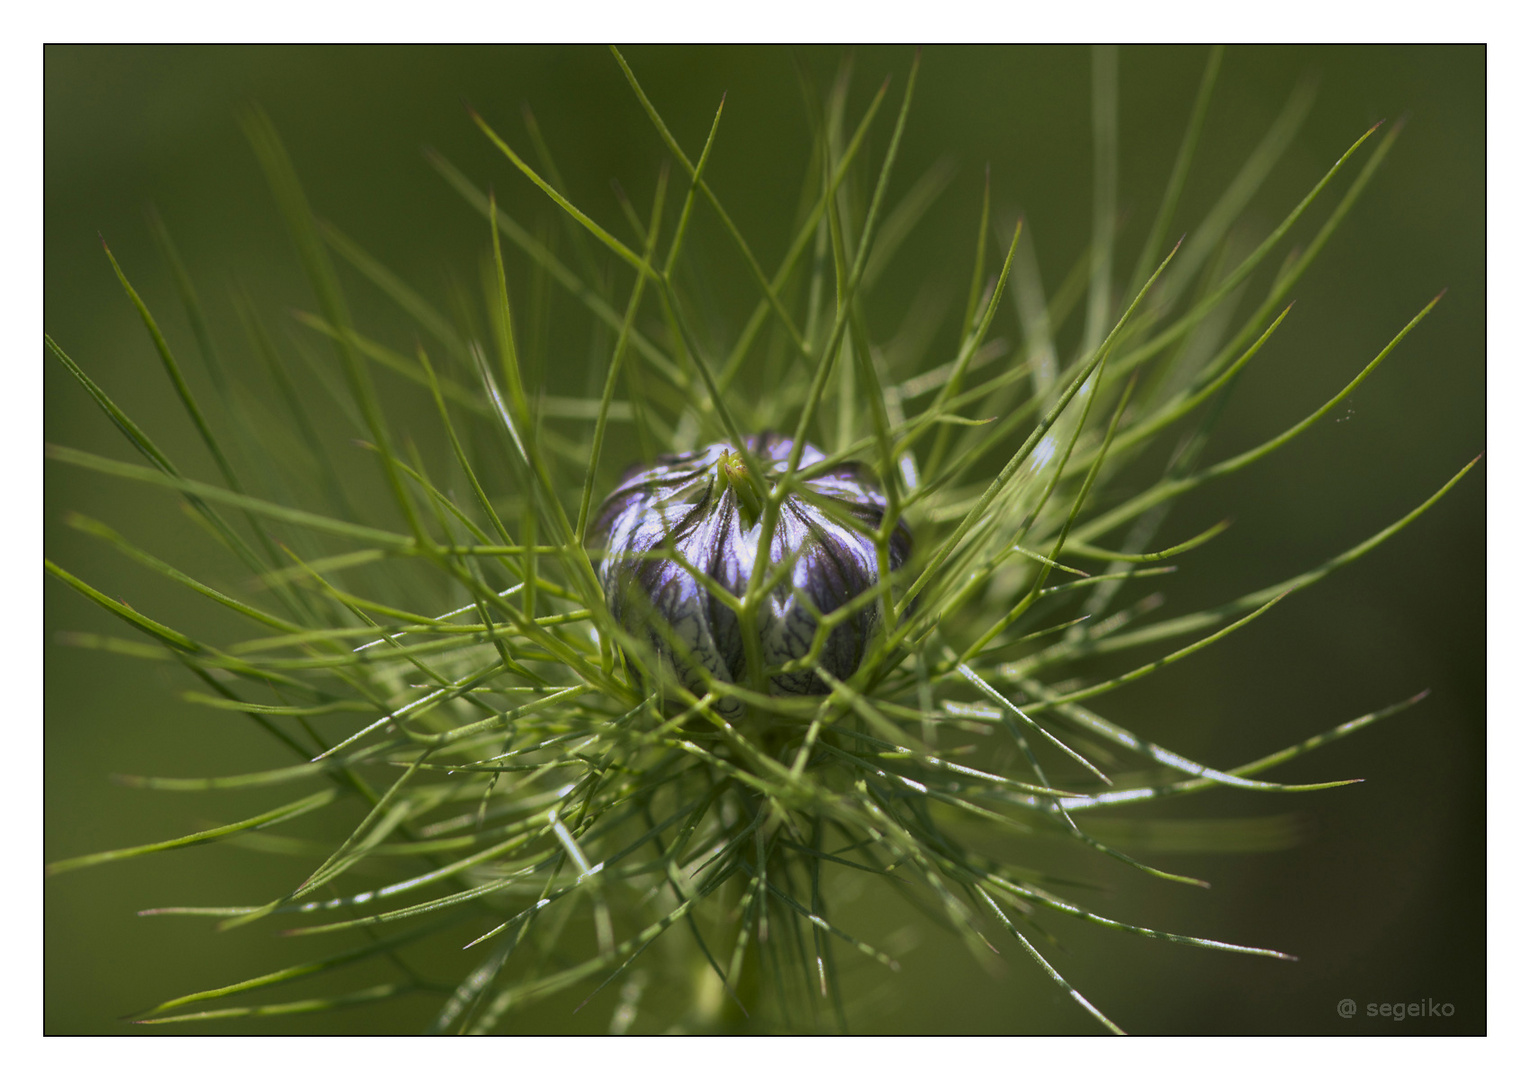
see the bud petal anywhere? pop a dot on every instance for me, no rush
(683, 534)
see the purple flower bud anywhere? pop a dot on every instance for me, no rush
(705, 507)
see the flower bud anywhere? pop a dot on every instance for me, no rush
(705, 508)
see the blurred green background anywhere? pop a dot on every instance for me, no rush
(1385, 898)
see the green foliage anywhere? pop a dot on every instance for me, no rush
(530, 806)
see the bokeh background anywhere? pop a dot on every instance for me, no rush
(1384, 900)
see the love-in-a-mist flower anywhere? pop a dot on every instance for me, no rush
(687, 529)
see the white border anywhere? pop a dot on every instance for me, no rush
(950, 20)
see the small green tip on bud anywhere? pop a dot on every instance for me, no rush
(733, 471)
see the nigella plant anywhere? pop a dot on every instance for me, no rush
(682, 540)
(548, 746)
